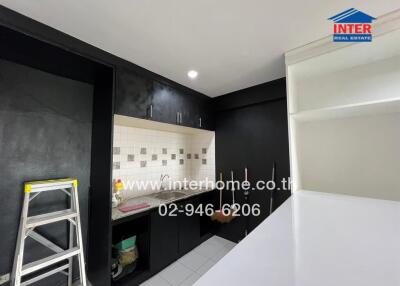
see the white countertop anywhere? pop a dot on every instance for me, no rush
(317, 239)
(153, 202)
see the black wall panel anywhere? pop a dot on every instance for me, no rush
(99, 250)
(268, 91)
(45, 132)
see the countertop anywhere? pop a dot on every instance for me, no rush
(153, 202)
(317, 239)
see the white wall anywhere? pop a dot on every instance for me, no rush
(355, 156)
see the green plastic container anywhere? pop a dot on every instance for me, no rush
(126, 243)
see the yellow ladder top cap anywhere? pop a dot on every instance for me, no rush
(33, 185)
(28, 188)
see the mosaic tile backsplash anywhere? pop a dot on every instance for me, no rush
(144, 154)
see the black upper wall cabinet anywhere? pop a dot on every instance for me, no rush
(141, 97)
(134, 94)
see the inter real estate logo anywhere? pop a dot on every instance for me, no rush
(352, 26)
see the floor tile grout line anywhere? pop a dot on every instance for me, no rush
(194, 273)
(184, 266)
(207, 259)
(157, 276)
(218, 244)
(226, 242)
(202, 264)
(165, 280)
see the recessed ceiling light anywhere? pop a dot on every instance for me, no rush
(192, 74)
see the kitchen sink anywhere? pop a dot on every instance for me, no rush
(168, 195)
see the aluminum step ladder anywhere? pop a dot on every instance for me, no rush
(27, 229)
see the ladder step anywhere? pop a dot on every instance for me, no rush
(49, 185)
(43, 219)
(44, 275)
(45, 262)
(51, 188)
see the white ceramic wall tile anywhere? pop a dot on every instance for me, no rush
(149, 166)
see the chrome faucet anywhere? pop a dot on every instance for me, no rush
(162, 178)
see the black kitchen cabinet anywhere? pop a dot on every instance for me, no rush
(189, 227)
(258, 116)
(189, 110)
(206, 115)
(141, 97)
(166, 102)
(163, 241)
(174, 236)
(134, 94)
(207, 226)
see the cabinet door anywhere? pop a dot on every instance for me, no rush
(189, 228)
(207, 226)
(164, 241)
(199, 112)
(166, 103)
(190, 110)
(206, 113)
(134, 94)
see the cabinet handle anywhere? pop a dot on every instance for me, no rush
(177, 118)
(200, 122)
(180, 117)
(151, 110)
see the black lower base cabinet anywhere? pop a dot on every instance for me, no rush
(163, 241)
(160, 239)
(189, 235)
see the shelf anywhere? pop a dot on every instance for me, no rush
(140, 227)
(350, 110)
(128, 121)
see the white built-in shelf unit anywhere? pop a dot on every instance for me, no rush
(344, 114)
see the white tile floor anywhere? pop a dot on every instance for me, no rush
(190, 267)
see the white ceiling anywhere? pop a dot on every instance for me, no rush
(233, 44)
